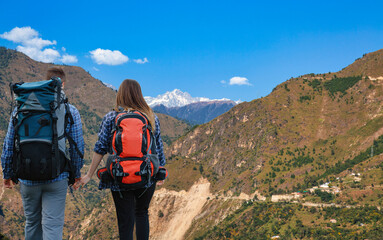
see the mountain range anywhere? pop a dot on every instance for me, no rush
(304, 162)
(177, 98)
(195, 110)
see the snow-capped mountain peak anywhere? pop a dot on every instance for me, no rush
(109, 86)
(176, 98)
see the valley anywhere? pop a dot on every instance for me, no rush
(174, 224)
(304, 162)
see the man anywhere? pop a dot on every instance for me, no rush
(44, 200)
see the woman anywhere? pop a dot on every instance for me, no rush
(130, 205)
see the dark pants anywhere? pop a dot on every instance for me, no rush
(133, 207)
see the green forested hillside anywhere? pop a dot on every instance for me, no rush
(291, 221)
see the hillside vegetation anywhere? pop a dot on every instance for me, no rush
(310, 127)
(291, 221)
(304, 162)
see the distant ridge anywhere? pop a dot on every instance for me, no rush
(198, 112)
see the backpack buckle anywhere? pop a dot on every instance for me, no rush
(118, 171)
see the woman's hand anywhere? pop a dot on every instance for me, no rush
(84, 180)
(160, 182)
(93, 166)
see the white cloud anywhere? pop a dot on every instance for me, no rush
(223, 81)
(69, 59)
(38, 43)
(96, 69)
(239, 81)
(108, 57)
(47, 55)
(27, 37)
(19, 35)
(33, 46)
(141, 61)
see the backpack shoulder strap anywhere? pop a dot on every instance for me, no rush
(11, 88)
(143, 115)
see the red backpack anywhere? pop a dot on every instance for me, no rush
(134, 163)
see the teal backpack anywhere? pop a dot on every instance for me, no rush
(41, 116)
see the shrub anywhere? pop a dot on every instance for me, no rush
(341, 84)
(304, 98)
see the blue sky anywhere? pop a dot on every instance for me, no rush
(197, 46)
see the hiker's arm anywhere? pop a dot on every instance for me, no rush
(77, 135)
(160, 147)
(95, 162)
(100, 148)
(159, 144)
(7, 154)
(104, 141)
(93, 166)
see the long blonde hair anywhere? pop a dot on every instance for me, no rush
(129, 97)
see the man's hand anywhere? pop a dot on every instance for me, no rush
(161, 182)
(7, 183)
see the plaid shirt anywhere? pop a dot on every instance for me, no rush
(104, 142)
(74, 130)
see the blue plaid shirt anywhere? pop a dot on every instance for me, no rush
(74, 130)
(104, 142)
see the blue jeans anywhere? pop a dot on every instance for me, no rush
(44, 207)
